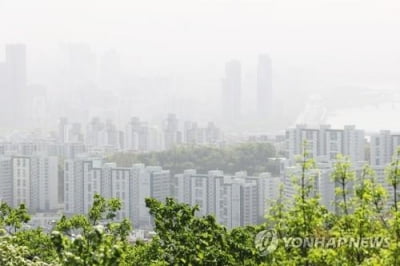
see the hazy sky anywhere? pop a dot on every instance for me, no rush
(302, 32)
(324, 43)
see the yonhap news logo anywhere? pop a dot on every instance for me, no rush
(267, 241)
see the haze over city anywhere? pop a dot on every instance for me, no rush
(199, 132)
(170, 56)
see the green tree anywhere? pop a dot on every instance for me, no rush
(93, 239)
(13, 219)
(393, 176)
(185, 239)
(364, 220)
(303, 217)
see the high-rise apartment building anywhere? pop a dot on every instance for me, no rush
(31, 180)
(69, 132)
(141, 137)
(172, 134)
(231, 96)
(383, 147)
(85, 177)
(193, 134)
(234, 200)
(326, 143)
(13, 84)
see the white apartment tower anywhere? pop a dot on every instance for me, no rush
(30, 180)
(325, 143)
(85, 177)
(383, 147)
(234, 200)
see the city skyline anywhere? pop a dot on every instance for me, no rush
(122, 62)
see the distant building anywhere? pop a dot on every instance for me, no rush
(69, 132)
(326, 143)
(172, 134)
(13, 83)
(84, 177)
(193, 134)
(237, 200)
(231, 95)
(102, 136)
(6, 181)
(319, 179)
(383, 147)
(31, 180)
(141, 137)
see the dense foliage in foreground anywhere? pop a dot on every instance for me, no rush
(186, 239)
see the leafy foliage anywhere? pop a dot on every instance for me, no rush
(185, 238)
(252, 158)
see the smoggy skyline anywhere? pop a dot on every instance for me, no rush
(316, 47)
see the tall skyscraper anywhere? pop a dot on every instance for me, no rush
(172, 135)
(5, 92)
(16, 66)
(3, 76)
(13, 83)
(62, 130)
(264, 86)
(232, 91)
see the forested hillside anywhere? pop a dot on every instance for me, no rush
(252, 158)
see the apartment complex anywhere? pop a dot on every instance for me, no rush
(30, 180)
(84, 177)
(326, 143)
(236, 200)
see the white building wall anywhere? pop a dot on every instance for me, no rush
(198, 191)
(120, 184)
(44, 183)
(21, 170)
(381, 149)
(354, 143)
(6, 181)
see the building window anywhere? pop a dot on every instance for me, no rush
(198, 193)
(334, 146)
(198, 182)
(309, 135)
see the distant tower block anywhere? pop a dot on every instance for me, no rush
(232, 91)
